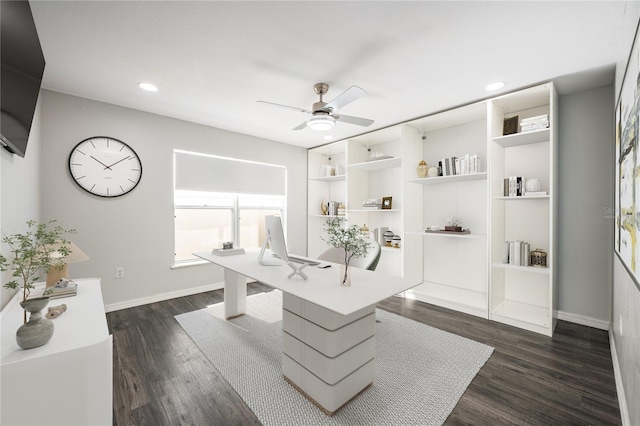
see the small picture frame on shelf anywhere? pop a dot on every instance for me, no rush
(386, 203)
(510, 126)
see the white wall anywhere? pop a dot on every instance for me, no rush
(19, 192)
(585, 230)
(136, 231)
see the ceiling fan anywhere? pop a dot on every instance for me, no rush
(322, 115)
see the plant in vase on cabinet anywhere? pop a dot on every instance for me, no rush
(349, 238)
(39, 249)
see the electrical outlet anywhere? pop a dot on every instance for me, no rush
(120, 272)
(620, 327)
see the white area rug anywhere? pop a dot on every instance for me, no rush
(421, 372)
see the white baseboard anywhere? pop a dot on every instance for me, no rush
(164, 296)
(582, 320)
(622, 399)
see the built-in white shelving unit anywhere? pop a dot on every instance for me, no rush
(461, 271)
(524, 296)
(374, 169)
(453, 266)
(324, 185)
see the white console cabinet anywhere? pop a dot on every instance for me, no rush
(68, 381)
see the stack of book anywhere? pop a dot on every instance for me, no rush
(55, 292)
(227, 252)
(465, 165)
(372, 204)
(514, 186)
(516, 253)
(531, 124)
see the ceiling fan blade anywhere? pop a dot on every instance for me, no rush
(345, 98)
(300, 126)
(354, 120)
(286, 106)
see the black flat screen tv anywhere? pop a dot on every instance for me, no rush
(20, 75)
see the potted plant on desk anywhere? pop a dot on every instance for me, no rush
(349, 238)
(39, 249)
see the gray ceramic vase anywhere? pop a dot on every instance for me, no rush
(38, 330)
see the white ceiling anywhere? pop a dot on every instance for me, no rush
(212, 60)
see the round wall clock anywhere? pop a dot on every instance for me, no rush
(105, 166)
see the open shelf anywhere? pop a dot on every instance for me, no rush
(328, 178)
(522, 314)
(326, 216)
(471, 302)
(525, 138)
(373, 210)
(531, 197)
(447, 235)
(448, 179)
(532, 269)
(386, 163)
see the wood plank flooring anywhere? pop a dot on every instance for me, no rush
(162, 378)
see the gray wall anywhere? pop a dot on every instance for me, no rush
(19, 192)
(136, 231)
(585, 231)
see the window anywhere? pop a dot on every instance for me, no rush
(209, 209)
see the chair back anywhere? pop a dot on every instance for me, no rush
(370, 261)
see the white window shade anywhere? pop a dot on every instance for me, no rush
(197, 172)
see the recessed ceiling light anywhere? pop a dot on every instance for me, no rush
(495, 86)
(148, 87)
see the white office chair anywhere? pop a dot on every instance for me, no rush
(370, 261)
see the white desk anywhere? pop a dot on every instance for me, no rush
(329, 329)
(68, 381)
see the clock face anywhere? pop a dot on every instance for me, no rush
(105, 166)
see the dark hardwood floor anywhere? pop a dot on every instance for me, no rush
(162, 378)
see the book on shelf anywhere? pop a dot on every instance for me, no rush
(516, 253)
(531, 124)
(513, 186)
(455, 166)
(536, 119)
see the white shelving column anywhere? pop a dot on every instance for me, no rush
(377, 178)
(523, 296)
(453, 266)
(322, 188)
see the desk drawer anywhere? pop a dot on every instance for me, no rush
(330, 370)
(323, 317)
(329, 343)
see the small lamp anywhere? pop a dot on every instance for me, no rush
(75, 255)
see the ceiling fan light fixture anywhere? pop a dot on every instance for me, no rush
(321, 122)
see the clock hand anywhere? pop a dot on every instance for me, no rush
(108, 167)
(105, 166)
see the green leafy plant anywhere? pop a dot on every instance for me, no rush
(38, 250)
(347, 237)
